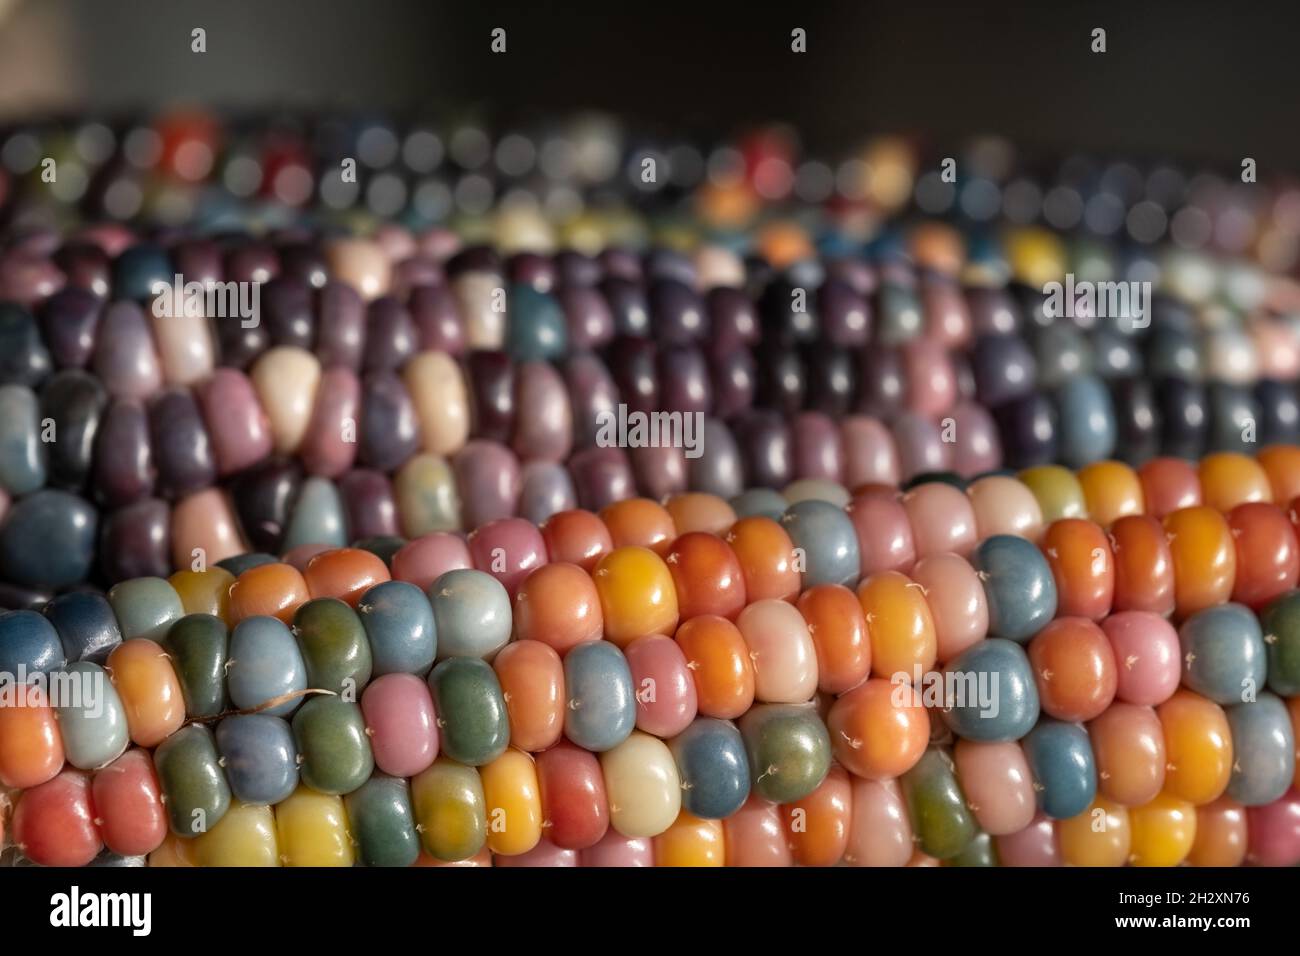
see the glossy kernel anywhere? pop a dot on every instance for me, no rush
(150, 692)
(942, 519)
(1204, 556)
(940, 817)
(1198, 747)
(1144, 568)
(713, 766)
(789, 751)
(334, 646)
(900, 625)
(698, 511)
(333, 744)
(576, 537)
(957, 602)
(785, 659)
(691, 841)
(666, 700)
(1224, 656)
(1282, 465)
(600, 699)
(707, 576)
(1268, 555)
(312, 830)
(274, 590)
(838, 629)
(880, 832)
(54, 822)
(1018, 586)
(450, 810)
(199, 649)
(767, 560)
(1229, 479)
(719, 661)
(513, 801)
(879, 730)
(755, 835)
(1280, 624)
(1162, 831)
(532, 685)
(344, 573)
(265, 665)
(1168, 485)
(826, 542)
(1111, 490)
(31, 746)
(1061, 759)
(245, 836)
(128, 803)
(1074, 666)
(1128, 741)
(991, 694)
(1221, 838)
(473, 724)
(1058, 492)
(818, 825)
(1004, 506)
(645, 793)
(204, 592)
(1100, 836)
(1083, 566)
(573, 796)
(558, 604)
(998, 785)
(637, 595)
(640, 522)
(192, 780)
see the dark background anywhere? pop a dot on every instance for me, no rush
(1212, 81)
